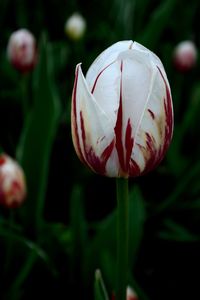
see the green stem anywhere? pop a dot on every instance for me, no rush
(122, 238)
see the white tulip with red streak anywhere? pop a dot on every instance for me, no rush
(122, 115)
(21, 50)
(185, 56)
(12, 182)
(130, 294)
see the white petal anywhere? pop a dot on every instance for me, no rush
(106, 90)
(104, 59)
(153, 123)
(99, 132)
(112, 166)
(152, 56)
(137, 77)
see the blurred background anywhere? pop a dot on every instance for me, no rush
(52, 244)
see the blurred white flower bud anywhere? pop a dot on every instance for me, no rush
(130, 294)
(185, 56)
(21, 50)
(75, 26)
(12, 182)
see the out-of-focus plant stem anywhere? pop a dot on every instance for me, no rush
(122, 238)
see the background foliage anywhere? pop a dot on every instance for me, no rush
(53, 244)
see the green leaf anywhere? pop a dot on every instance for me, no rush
(26, 243)
(181, 187)
(100, 292)
(78, 235)
(36, 141)
(177, 232)
(17, 248)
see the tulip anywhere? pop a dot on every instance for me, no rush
(12, 182)
(130, 294)
(75, 26)
(185, 56)
(21, 50)
(122, 114)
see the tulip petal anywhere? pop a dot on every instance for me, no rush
(106, 90)
(151, 56)
(92, 130)
(104, 59)
(156, 127)
(136, 80)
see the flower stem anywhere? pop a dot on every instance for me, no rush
(122, 238)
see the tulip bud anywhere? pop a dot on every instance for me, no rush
(12, 182)
(75, 26)
(185, 56)
(130, 294)
(21, 50)
(122, 115)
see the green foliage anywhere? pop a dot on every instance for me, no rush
(34, 149)
(99, 287)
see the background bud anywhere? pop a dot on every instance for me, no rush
(185, 56)
(12, 182)
(130, 293)
(75, 26)
(21, 50)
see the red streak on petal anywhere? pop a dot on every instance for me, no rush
(149, 142)
(134, 169)
(118, 130)
(151, 114)
(74, 113)
(128, 143)
(169, 116)
(151, 159)
(154, 156)
(113, 296)
(100, 73)
(2, 160)
(83, 135)
(96, 163)
(2, 194)
(107, 152)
